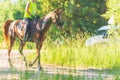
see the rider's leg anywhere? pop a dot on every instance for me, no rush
(27, 32)
(27, 29)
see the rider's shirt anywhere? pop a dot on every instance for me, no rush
(32, 10)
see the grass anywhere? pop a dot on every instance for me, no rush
(74, 53)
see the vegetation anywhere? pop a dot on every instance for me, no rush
(66, 47)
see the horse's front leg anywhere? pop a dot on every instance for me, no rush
(38, 48)
(22, 44)
(39, 62)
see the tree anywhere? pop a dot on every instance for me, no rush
(113, 7)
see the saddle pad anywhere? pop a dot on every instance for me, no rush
(22, 24)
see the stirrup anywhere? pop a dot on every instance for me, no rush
(25, 38)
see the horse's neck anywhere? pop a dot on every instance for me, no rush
(47, 18)
(46, 22)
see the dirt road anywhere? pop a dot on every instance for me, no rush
(19, 72)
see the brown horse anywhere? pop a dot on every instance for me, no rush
(39, 30)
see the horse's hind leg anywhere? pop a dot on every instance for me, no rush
(12, 40)
(22, 44)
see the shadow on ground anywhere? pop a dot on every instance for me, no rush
(56, 73)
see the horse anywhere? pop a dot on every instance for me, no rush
(12, 30)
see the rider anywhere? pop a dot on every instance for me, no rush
(30, 13)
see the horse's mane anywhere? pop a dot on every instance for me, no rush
(46, 15)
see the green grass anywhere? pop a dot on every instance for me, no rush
(74, 53)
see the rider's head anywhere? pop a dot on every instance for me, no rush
(34, 0)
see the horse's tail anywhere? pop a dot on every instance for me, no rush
(5, 30)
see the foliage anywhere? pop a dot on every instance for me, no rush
(113, 8)
(82, 15)
(10, 10)
(79, 15)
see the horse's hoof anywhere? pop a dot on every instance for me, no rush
(40, 68)
(30, 65)
(10, 63)
(26, 64)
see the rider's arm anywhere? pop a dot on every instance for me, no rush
(27, 8)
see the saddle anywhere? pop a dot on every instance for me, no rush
(22, 24)
(30, 31)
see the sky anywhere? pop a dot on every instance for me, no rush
(11, 0)
(14, 0)
(1, 0)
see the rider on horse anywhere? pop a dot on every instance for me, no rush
(30, 14)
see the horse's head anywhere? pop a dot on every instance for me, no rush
(57, 17)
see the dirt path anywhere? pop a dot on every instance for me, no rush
(19, 71)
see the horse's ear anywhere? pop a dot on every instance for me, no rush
(58, 10)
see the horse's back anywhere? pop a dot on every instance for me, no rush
(7, 23)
